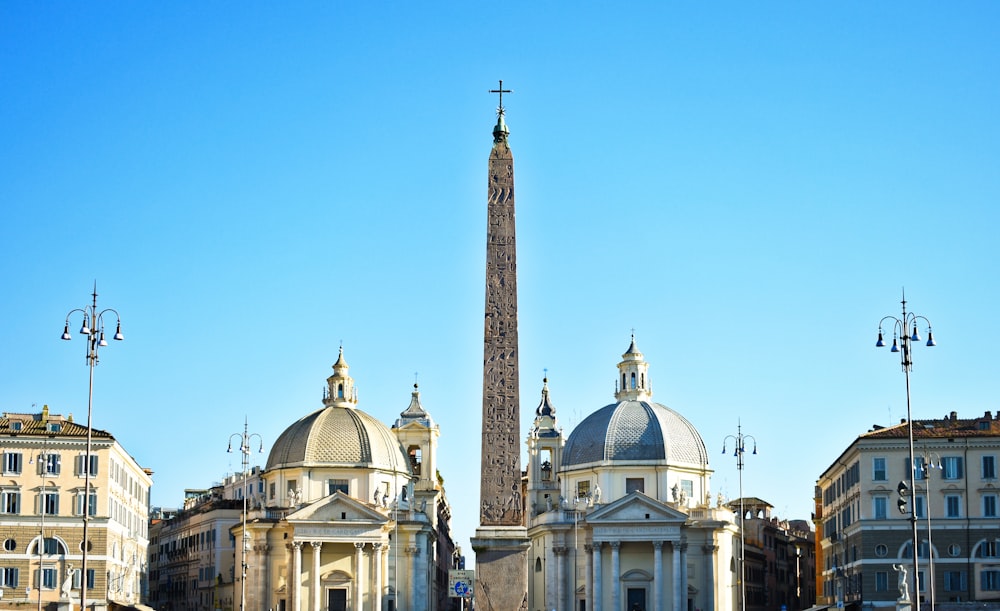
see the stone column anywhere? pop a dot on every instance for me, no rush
(684, 574)
(317, 601)
(657, 574)
(377, 585)
(598, 594)
(588, 579)
(359, 557)
(561, 581)
(296, 588)
(676, 575)
(616, 582)
(413, 554)
(710, 550)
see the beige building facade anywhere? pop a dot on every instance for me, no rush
(42, 505)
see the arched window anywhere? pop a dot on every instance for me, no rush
(642, 380)
(538, 565)
(633, 380)
(623, 382)
(416, 459)
(340, 391)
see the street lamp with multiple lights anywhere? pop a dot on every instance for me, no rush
(245, 444)
(739, 440)
(904, 332)
(93, 329)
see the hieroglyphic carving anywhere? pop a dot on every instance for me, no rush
(500, 485)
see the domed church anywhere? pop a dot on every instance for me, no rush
(621, 513)
(352, 515)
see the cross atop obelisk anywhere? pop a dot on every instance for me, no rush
(501, 541)
(501, 91)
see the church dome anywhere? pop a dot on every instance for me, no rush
(635, 428)
(635, 431)
(338, 435)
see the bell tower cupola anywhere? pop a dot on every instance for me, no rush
(633, 372)
(340, 390)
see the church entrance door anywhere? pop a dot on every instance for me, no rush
(337, 599)
(635, 599)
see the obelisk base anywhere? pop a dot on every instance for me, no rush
(501, 568)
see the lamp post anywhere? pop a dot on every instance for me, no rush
(245, 439)
(929, 464)
(739, 440)
(901, 343)
(43, 465)
(93, 328)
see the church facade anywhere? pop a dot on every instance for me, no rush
(620, 515)
(352, 515)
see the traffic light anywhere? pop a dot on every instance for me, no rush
(903, 491)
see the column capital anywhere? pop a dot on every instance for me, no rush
(412, 550)
(316, 544)
(709, 548)
(359, 546)
(658, 545)
(597, 545)
(615, 545)
(587, 547)
(560, 551)
(377, 546)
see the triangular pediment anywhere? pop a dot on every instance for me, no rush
(338, 507)
(636, 507)
(636, 517)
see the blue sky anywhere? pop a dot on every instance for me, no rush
(748, 186)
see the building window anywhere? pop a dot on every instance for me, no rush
(878, 469)
(989, 581)
(881, 550)
(954, 581)
(953, 506)
(337, 485)
(989, 505)
(879, 505)
(50, 546)
(919, 467)
(881, 581)
(919, 506)
(12, 463)
(583, 489)
(989, 467)
(92, 505)
(634, 484)
(687, 487)
(50, 503)
(49, 464)
(954, 550)
(10, 501)
(271, 491)
(8, 577)
(987, 549)
(90, 579)
(48, 581)
(951, 467)
(81, 461)
(10, 545)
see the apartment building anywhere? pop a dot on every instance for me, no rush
(862, 533)
(43, 500)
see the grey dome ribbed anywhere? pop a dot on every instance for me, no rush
(635, 431)
(338, 436)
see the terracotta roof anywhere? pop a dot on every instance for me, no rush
(38, 424)
(944, 428)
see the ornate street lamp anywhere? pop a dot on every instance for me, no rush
(740, 442)
(904, 332)
(245, 440)
(93, 329)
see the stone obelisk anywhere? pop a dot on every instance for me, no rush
(501, 541)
